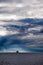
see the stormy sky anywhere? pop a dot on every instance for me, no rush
(21, 25)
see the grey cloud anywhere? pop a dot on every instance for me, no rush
(28, 10)
(18, 1)
(15, 39)
(24, 26)
(28, 34)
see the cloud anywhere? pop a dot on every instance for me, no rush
(22, 29)
(22, 9)
(11, 1)
(21, 22)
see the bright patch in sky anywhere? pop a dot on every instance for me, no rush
(2, 33)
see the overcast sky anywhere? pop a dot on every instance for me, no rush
(17, 9)
(16, 27)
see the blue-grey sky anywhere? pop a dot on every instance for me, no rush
(21, 25)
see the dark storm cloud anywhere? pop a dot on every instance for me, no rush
(19, 23)
(30, 33)
(37, 32)
(29, 26)
(15, 40)
(35, 21)
(41, 31)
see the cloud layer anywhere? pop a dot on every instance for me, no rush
(25, 33)
(21, 25)
(18, 9)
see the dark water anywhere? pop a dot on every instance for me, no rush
(21, 58)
